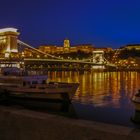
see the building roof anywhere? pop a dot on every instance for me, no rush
(77, 45)
(8, 30)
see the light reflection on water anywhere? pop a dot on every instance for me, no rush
(101, 88)
(102, 91)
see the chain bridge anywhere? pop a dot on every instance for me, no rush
(16, 53)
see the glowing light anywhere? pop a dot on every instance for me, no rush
(98, 51)
(98, 67)
(14, 50)
(22, 54)
(7, 55)
(8, 49)
(38, 56)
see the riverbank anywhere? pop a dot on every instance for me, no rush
(22, 124)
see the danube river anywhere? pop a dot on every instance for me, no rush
(102, 96)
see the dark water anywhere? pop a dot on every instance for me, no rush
(102, 96)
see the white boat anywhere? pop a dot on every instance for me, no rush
(37, 87)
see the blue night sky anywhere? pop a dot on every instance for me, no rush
(103, 23)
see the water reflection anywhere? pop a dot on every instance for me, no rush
(101, 89)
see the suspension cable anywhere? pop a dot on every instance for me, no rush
(29, 46)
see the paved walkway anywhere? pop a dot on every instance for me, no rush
(21, 124)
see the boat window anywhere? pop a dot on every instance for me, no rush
(32, 86)
(24, 83)
(28, 83)
(34, 82)
(41, 87)
(44, 82)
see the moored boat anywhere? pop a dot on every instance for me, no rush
(136, 102)
(37, 87)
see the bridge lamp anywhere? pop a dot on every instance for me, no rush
(14, 50)
(18, 65)
(38, 56)
(7, 54)
(22, 54)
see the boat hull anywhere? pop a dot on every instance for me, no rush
(47, 91)
(56, 97)
(34, 90)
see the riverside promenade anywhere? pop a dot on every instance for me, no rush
(22, 124)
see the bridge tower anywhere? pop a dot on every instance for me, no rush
(66, 45)
(8, 41)
(98, 58)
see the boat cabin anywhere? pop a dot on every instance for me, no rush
(33, 80)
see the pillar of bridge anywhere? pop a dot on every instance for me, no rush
(8, 41)
(98, 57)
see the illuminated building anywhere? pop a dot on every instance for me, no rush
(51, 49)
(132, 46)
(87, 48)
(66, 48)
(8, 41)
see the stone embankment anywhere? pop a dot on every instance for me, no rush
(22, 124)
